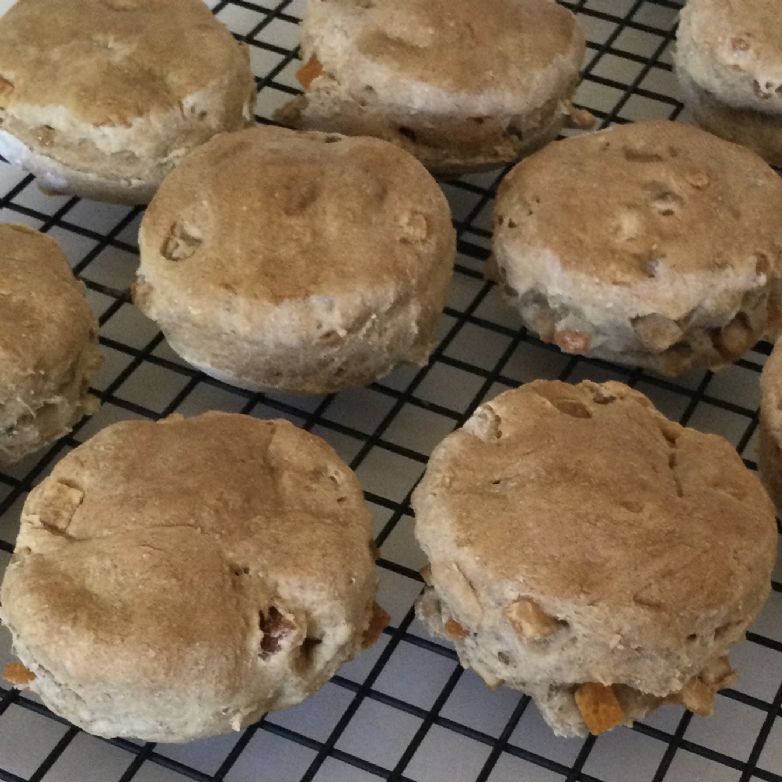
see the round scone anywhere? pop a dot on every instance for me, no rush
(462, 85)
(591, 553)
(299, 262)
(48, 343)
(770, 440)
(652, 244)
(729, 64)
(101, 98)
(178, 579)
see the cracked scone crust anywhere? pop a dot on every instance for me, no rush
(48, 343)
(588, 551)
(652, 244)
(459, 84)
(729, 64)
(147, 81)
(302, 262)
(179, 579)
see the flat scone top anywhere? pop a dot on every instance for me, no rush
(182, 563)
(733, 49)
(108, 63)
(504, 51)
(586, 498)
(267, 215)
(653, 208)
(45, 320)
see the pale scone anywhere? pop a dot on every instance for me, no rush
(770, 441)
(298, 262)
(729, 64)
(102, 98)
(48, 343)
(653, 244)
(588, 551)
(461, 84)
(178, 579)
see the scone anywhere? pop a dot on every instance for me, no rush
(178, 579)
(591, 553)
(48, 343)
(102, 98)
(298, 262)
(461, 84)
(770, 426)
(729, 64)
(653, 244)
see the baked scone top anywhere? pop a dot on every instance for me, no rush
(108, 63)
(733, 49)
(586, 495)
(268, 215)
(171, 543)
(45, 320)
(653, 209)
(423, 53)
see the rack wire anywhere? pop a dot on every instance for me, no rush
(404, 711)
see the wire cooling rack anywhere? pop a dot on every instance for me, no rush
(404, 710)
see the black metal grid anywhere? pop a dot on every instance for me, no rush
(453, 731)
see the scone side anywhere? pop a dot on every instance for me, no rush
(637, 326)
(450, 132)
(750, 127)
(119, 163)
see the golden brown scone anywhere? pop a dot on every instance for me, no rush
(591, 553)
(653, 244)
(462, 85)
(178, 579)
(729, 63)
(48, 343)
(300, 262)
(770, 450)
(102, 98)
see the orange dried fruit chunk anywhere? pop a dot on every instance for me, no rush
(571, 341)
(455, 631)
(309, 72)
(15, 673)
(599, 707)
(379, 621)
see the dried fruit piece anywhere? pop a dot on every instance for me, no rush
(276, 628)
(415, 228)
(580, 119)
(734, 339)
(183, 241)
(6, 90)
(699, 692)
(15, 673)
(309, 72)
(44, 135)
(53, 505)
(379, 621)
(300, 196)
(571, 341)
(529, 620)
(600, 709)
(697, 697)
(656, 332)
(456, 631)
(698, 180)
